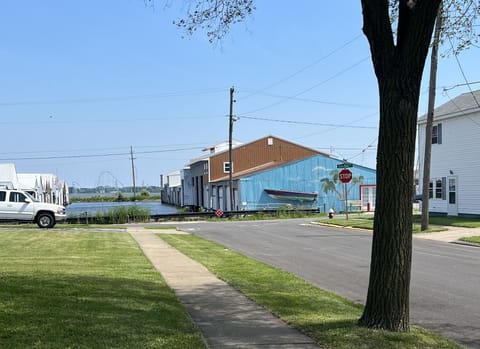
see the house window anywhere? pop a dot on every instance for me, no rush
(438, 189)
(430, 190)
(437, 134)
(226, 167)
(3, 195)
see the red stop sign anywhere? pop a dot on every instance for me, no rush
(345, 175)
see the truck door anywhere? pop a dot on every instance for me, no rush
(18, 208)
(3, 204)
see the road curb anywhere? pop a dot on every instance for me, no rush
(465, 243)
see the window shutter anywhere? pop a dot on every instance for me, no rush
(444, 188)
(439, 133)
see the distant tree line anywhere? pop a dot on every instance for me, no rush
(113, 190)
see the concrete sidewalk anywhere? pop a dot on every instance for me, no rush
(450, 235)
(226, 317)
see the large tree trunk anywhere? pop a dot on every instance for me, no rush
(398, 67)
(388, 291)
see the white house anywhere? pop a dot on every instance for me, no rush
(171, 188)
(455, 161)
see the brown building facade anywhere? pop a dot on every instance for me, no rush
(258, 155)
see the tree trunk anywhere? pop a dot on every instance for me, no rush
(387, 304)
(398, 66)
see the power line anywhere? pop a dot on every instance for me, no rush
(445, 88)
(301, 70)
(370, 146)
(116, 99)
(98, 150)
(318, 101)
(334, 128)
(304, 122)
(97, 155)
(460, 109)
(311, 87)
(464, 76)
(83, 120)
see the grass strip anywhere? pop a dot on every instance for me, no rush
(366, 223)
(454, 221)
(160, 227)
(63, 289)
(471, 239)
(327, 318)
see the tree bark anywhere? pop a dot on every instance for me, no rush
(387, 304)
(398, 67)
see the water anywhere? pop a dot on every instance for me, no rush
(91, 208)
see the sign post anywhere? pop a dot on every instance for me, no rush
(345, 165)
(345, 176)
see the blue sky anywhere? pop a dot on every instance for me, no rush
(82, 82)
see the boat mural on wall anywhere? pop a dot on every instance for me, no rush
(291, 195)
(307, 184)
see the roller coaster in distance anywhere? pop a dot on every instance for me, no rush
(107, 182)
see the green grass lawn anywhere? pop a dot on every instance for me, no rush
(367, 223)
(62, 289)
(327, 318)
(464, 222)
(472, 239)
(435, 223)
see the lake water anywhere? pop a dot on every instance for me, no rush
(91, 208)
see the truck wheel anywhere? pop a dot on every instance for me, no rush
(45, 220)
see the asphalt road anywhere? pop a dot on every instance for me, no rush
(445, 286)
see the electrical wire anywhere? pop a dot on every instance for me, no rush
(318, 101)
(309, 88)
(116, 99)
(97, 155)
(370, 146)
(464, 76)
(301, 70)
(305, 122)
(460, 109)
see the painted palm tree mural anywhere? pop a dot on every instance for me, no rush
(332, 183)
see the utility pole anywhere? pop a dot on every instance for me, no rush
(230, 134)
(133, 172)
(429, 125)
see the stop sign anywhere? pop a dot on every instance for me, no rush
(345, 175)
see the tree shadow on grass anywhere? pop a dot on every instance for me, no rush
(333, 321)
(68, 311)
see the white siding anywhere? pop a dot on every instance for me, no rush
(460, 154)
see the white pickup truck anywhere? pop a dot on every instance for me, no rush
(19, 206)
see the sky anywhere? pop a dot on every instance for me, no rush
(83, 85)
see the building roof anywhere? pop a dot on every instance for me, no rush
(214, 149)
(465, 103)
(275, 137)
(222, 146)
(249, 171)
